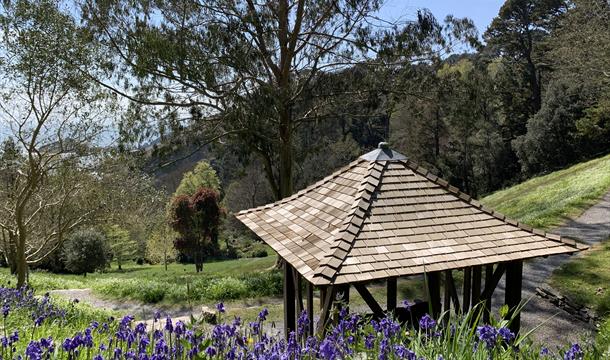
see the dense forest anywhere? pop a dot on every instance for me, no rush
(276, 96)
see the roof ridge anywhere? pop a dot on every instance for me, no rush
(344, 239)
(414, 166)
(304, 190)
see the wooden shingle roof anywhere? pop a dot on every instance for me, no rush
(384, 216)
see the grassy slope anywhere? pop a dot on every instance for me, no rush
(549, 200)
(586, 278)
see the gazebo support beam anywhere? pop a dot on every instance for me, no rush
(495, 279)
(298, 288)
(450, 284)
(512, 295)
(466, 290)
(309, 288)
(489, 270)
(289, 300)
(369, 299)
(392, 294)
(476, 285)
(434, 292)
(327, 304)
(447, 295)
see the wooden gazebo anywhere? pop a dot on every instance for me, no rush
(382, 217)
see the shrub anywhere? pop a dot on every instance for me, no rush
(85, 251)
(227, 288)
(152, 293)
(264, 284)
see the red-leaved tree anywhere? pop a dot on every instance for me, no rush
(196, 219)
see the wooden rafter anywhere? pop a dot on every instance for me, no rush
(369, 299)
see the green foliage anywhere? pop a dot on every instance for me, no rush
(550, 141)
(202, 176)
(122, 247)
(603, 338)
(160, 246)
(85, 251)
(227, 288)
(547, 201)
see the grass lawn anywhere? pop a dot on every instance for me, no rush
(549, 200)
(586, 278)
(232, 279)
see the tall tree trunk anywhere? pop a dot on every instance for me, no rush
(21, 263)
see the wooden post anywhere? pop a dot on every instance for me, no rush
(327, 304)
(289, 300)
(447, 292)
(309, 287)
(391, 294)
(323, 290)
(298, 285)
(466, 290)
(489, 270)
(434, 293)
(512, 295)
(476, 285)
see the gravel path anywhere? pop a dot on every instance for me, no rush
(592, 227)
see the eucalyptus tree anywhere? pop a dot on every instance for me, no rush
(240, 69)
(54, 116)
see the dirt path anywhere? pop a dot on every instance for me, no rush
(140, 310)
(593, 226)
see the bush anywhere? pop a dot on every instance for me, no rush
(153, 294)
(228, 288)
(265, 284)
(85, 251)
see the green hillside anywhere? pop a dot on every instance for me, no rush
(547, 201)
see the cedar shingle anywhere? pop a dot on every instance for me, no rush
(379, 218)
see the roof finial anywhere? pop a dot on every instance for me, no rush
(383, 145)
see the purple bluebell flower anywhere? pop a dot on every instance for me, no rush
(404, 353)
(34, 351)
(506, 334)
(369, 341)
(168, 324)
(574, 353)
(210, 351)
(487, 334)
(220, 307)
(262, 316)
(427, 323)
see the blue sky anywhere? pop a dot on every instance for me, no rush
(480, 11)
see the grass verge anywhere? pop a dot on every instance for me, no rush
(586, 279)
